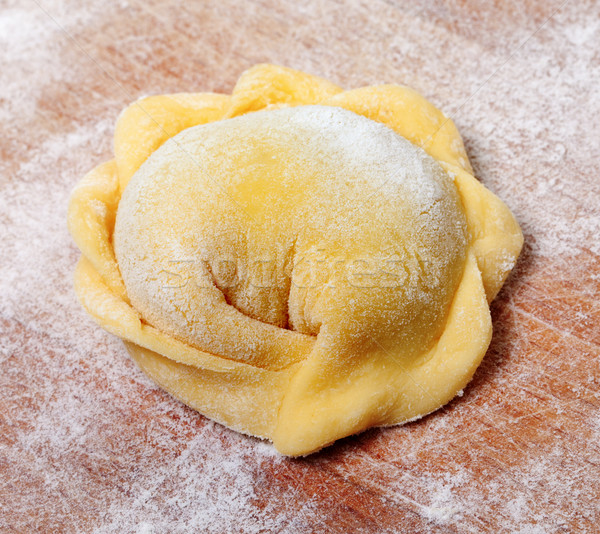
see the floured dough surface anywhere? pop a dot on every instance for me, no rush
(295, 261)
(248, 237)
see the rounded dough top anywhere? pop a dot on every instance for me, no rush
(253, 238)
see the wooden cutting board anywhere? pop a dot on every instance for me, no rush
(88, 444)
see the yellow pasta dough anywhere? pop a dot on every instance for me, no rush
(294, 261)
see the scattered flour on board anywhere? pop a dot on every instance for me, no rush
(548, 113)
(30, 46)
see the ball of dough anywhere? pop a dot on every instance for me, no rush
(298, 272)
(288, 227)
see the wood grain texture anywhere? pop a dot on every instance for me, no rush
(88, 444)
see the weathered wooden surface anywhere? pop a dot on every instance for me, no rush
(88, 444)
